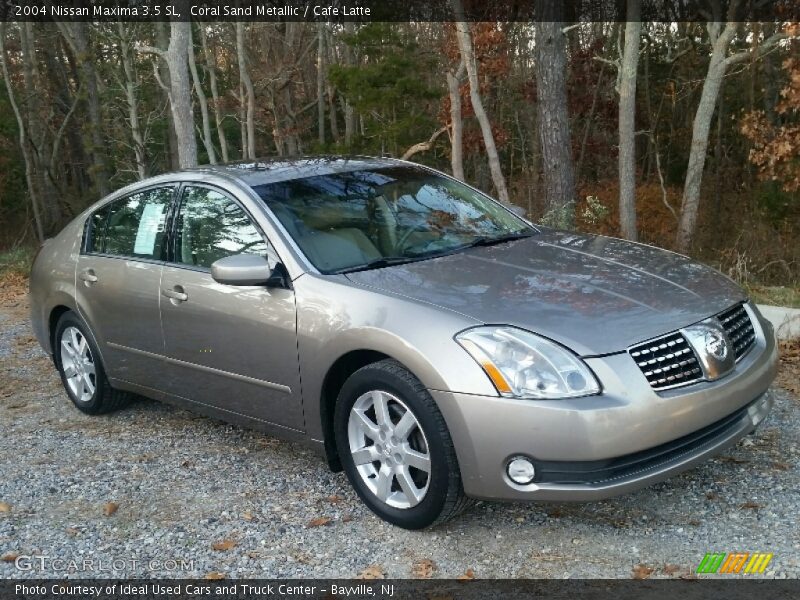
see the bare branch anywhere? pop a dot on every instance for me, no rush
(151, 50)
(759, 51)
(424, 146)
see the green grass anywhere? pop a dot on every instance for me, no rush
(16, 261)
(778, 295)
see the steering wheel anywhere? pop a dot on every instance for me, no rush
(401, 243)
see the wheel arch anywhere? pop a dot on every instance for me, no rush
(342, 368)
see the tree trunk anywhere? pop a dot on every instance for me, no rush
(23, 138)
(349, 112)
(180, 93)
(627, 123)
(700, 131)
(249, 91)
(331, 91)
(208, 142)
(162, 39)
(130, 97)
(211, 67)
(468, 56)
(321, 84)
(457, 124)
(554, 132)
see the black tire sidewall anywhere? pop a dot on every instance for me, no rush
(70, 319)
(372, 378)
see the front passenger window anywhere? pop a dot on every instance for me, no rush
(212, 226)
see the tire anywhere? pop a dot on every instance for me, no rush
(390, 476)
(81, 369)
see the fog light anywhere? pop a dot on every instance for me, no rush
(520, 470)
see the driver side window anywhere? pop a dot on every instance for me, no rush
(211, 226)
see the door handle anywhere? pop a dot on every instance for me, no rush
(88, 276)
(176, 293)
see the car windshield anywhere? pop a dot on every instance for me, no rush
(373, 218)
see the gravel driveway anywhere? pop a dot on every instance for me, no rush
(154, 483)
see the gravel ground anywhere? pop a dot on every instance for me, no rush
(153, 483)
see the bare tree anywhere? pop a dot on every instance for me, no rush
(249, 94)
(321, 83)
(456, 122)
(627, 122)
(76, 36)
(554, 131)
(23, 138)
(211, 69)
(720, 37)
(129, 85)
(468, 56)
(201, 99)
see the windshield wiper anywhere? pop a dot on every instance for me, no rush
(379, 263)
(492, 241)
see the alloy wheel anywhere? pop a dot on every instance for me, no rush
(78, 364)
(389, 449)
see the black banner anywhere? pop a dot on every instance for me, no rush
(394, 10)
(399, 589)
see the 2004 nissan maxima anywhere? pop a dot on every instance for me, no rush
(418, 334)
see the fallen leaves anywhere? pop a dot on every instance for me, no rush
(780, 466)
(751, 505)
(372, 572)
(224, 545)
(5, 507)
(319, 522)
(110, 508)
(642, 571)
(9, 556)
(671, 569)
(468, 575)
(248, 516)
(789, 366)
(423, 569)
(214, 576)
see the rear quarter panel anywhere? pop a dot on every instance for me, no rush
(52, 280)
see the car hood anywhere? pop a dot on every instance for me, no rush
(593, 294)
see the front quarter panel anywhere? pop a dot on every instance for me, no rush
(336, 317)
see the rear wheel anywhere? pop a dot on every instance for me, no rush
(396, 449)
(78, 362)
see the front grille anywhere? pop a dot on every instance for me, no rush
(736, 323)
(667, 361)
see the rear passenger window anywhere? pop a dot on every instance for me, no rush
(136, 224)
(97, 231)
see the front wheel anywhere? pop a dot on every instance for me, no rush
(396, 449)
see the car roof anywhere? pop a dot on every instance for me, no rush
(272, 170)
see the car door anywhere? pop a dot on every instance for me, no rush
(117, 282)
(229, 347)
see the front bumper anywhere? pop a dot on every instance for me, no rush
(596, 447)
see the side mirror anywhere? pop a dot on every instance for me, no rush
(242, 269)
(514, 208)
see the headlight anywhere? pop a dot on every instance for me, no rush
(524, 365)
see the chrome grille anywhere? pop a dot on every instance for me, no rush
(667, 361)
(737, 325)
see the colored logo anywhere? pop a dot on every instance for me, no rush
(734, 562)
